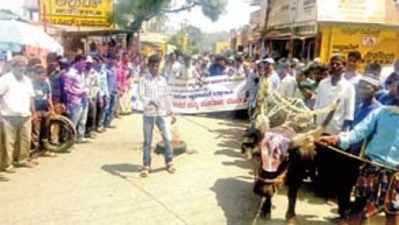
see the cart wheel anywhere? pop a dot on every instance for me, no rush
(178, 148)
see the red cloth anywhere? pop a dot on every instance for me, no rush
(274, 150)
(122, 74)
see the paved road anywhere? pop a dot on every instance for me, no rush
(99, 183)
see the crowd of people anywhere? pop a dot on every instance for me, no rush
(89, 90)
(92, 90)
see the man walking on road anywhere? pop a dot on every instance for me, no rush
(154, 92)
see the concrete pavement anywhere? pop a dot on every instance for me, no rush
(99, 183)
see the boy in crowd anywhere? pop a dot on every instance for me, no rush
(44, 108)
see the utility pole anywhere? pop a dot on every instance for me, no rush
(42, 14)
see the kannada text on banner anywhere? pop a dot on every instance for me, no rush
(92, 13)
(212, 94)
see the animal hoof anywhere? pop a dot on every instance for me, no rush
(266, 216)
(292, 221)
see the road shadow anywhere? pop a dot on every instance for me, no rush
(120, 170)
(302, 219)
(229, 141)
(241, 115)
(228, 191)
(3, 179)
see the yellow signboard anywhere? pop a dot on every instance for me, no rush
(375, 43)
(91, 13)
(221, 46)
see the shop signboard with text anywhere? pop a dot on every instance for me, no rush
(86, 13)
(375, 43)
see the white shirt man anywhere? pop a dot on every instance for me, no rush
(274, 78)
(175, 70)
(154, 92)
(352, 77)
(327, 93)
(289, 87)
(275, 81)
(15, 96)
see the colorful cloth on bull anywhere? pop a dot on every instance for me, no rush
(274, 150)
(380, 188)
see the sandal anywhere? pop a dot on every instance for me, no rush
(171, 169)
(145, 172)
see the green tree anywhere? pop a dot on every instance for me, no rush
(131, 14)
(194, 37)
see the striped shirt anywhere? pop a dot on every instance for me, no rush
(155, 94)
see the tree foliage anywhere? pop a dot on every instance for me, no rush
(193, 37)
(131, 14)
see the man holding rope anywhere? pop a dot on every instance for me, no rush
(377, 187)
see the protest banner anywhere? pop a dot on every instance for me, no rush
(211, 94)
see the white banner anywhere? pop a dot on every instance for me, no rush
(212, 94)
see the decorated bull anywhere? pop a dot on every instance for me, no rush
(284, 153)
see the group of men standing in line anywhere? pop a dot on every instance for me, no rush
(89, 90)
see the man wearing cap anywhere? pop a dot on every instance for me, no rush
(157, 102)
(368, 85)
(93, 84)
(271, 72)
(387, 96)
(16, 110)
(268, 82)
(376, 188)
(336, 87)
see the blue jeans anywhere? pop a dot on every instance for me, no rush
(103, 111)
(148, 127)
(109, 114)
(78, 115)
(81, 128)
(75, 112)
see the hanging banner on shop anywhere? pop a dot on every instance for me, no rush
(359, 11)
(87, 13)
(212, 94)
